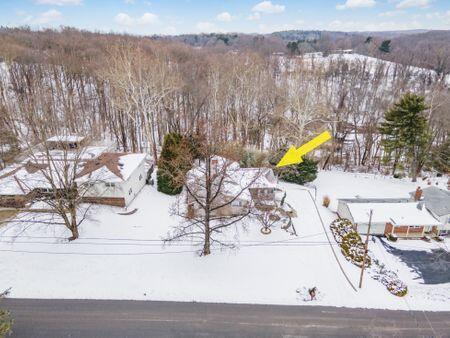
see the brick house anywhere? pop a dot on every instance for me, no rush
(397, 217)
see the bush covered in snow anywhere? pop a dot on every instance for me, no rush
(388, 278)
(350, 242)
(353, 249)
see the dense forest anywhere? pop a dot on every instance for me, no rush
(134, 90)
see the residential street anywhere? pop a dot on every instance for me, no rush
(90, 318)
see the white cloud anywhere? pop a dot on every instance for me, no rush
(59, 2)
(127, 20)
(356, 4)
(46, 17)
(268, 7)
(254, 17)
(206, 27)
(414, 3)
(391, 13)
(224, 17)
(444, 16)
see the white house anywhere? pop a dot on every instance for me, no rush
(114, 178)
(236, 187)
(389, 217)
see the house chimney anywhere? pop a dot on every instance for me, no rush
(418, 194)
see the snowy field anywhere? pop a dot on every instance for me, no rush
(122, 257)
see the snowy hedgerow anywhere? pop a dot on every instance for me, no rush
(350, 242)
(353, 250)
(388, 278)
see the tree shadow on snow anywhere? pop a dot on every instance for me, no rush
(433, 267)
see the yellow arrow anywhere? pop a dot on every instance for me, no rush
(294, 156)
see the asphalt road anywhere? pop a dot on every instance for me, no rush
(109, 319)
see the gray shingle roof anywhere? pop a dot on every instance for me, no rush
(437, 200)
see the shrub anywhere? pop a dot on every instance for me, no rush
(350, 242)
(300, 173)
(392, 238)
(326, 201)
(5, 319)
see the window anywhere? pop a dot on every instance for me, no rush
(130, 191)
(236, 203)
(110, 185)
(140, 177)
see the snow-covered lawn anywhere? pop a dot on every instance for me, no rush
(122, 257)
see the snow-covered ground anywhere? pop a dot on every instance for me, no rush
(122, 257)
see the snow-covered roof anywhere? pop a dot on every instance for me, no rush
(86, 153)
(22, 179)
(111, 167)
(436, 200)
(238, 180)
(396, 213)
(66, 138)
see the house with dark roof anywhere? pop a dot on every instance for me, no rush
(114, 178)
(437, 202)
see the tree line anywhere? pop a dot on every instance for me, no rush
(135, 90)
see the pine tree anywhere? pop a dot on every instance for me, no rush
(174, 162)
(292, 46)
(385, 46)
(300, 173)
(405, 133)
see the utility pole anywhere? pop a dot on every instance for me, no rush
(366, 245)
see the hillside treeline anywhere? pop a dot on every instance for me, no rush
(134, 90)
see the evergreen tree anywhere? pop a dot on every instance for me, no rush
(368, 39)
(300, 173)
(405, 133)
(174, 162)
(441, 157)
(292, 46)
(385, 46)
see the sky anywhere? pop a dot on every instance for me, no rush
(169, 17)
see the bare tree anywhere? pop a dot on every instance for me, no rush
(216, 196)
(51, 175)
